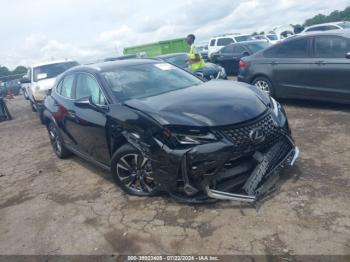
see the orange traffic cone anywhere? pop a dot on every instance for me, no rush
(9, 95)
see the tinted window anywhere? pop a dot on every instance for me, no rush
(322, 28)
(255, 47)
(239, 49)
(331, 47)
(272, 37)
(145, 80)
(344, 24)
(52, 70)
(66, 86)
(87, 86)
(293, 49)
(224, 41)
(212, 42)
(243, 38)
(179, 60)
(227, 49)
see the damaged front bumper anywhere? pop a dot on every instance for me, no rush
(230, 169)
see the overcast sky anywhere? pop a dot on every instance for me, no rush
(40, 30)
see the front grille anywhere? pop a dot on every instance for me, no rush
(240, 135)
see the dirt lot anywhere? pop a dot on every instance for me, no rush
(51, 206)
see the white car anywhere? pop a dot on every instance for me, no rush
(40, 78)
(218, 42)
(327, 26)
(271, 38)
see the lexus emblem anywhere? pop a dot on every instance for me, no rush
(257, 135)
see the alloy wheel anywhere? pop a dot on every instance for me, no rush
(135, 172)
(55, 141)
(263, 85)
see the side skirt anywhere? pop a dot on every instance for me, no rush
(88, 158)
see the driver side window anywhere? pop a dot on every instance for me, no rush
(87, 86)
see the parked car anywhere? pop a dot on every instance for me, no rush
(229, 56)
(123, 57)
(40, 78)
(158, 128)
(312, 66)
(271, 38)
(209, 71)
(218, 42)
(203, 50)
(13, 86)
(327, 26)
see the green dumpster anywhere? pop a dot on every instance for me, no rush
(159, 48)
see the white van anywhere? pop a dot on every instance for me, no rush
(218, 42)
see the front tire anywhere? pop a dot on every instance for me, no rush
(57, 142)
(132, 172)
(32, 105)
(264, 84)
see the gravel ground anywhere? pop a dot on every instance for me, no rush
(52, 206)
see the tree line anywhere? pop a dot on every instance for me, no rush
(8, 75)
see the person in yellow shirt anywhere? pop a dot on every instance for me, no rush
(195, 59)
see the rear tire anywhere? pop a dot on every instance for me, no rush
(264, 84)
(25, 95)
(32, 105)
(132, 172)
(57, 142)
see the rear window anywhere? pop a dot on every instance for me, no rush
(224, 41)
(272, 37)
(255, 47)
(344, 25)
(243, 38)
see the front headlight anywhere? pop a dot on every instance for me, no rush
(186, 139)
(275, 107)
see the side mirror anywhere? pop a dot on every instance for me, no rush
(25, 80)
(347, 56)
(86, 102)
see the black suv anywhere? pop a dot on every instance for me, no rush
(158, 128)
(310, 66)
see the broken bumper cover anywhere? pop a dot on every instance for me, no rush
(212, 193)
(232, 168)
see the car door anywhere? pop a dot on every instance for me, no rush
(64, 106)
(89, 128)
(290, 67)
(224, 58)
(330, 73)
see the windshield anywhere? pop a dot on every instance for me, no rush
(243, 38)
(179, 60)
(272, 37)
(344, 24)
(140, 81)
(255, 47)
(52, 70)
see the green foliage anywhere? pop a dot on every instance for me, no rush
(7, 75)
(332, 17)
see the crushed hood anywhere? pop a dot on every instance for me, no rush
(214, 103)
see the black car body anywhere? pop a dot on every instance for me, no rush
(158, 128)
(309, 66)
(229, 56)
(209, 71)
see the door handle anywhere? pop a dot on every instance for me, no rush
(320, 62)
(273, 63)
(72, 114)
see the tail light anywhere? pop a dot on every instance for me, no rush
(243, 64)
